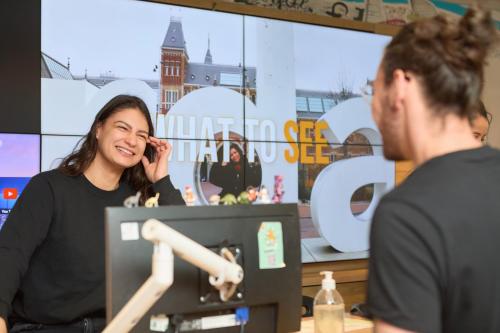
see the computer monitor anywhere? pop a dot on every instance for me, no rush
(265, 240)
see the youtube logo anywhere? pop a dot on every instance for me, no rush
(10, 193)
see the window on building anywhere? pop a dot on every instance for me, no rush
(168, 69)
(231, 79)
(328, 103)
(170, 98)
(301, 103)
(315, 104)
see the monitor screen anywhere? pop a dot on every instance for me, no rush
(19, 161)
(265, 240)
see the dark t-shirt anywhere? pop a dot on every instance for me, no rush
(435, 247)
(52, 248)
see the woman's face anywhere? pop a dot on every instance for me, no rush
(480, 128)
(122, 138)
(234, 155)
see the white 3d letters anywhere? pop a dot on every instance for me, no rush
(335, 185)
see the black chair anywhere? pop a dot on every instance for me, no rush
(307, 306)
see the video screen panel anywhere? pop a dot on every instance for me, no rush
(55, 148)
(157, 52)
(20, 160)
(293, 98)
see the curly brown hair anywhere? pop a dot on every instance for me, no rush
(447, 56)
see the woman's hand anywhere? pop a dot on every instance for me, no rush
(158, 168)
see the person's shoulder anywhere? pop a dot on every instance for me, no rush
(41, 184)
(42, 177)
(489, 157)
(401, 207)
(395, 201)
(429, 180)
(51, 175)
(489, 151)
(441, 176)
(398, 221)
(403, 194)
(52, 178)
(458, 160)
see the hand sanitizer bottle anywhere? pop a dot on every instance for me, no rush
(328, 307)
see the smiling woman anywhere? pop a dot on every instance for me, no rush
(60, 217)
(121, 137)
(480, 123)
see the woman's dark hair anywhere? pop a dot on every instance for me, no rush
(447, 56)
(220, 152)
(238, 149)
(79, 160)
(480, 111)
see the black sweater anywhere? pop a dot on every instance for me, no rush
(52, 248)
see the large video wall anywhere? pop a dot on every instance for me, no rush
(291, 101)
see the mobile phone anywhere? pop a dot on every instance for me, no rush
(150, 152)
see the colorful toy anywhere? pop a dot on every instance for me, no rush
(133, 200)
(229, 199)
(263, 196)
(252, 193)
(214, 200)
(278, 189)
(152, 202)
(243, 198)
(189, 196)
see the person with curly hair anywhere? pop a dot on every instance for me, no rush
(433, 263)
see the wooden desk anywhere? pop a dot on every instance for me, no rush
(351, 324)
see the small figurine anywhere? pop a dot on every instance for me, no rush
(133, 200)
(152, 202)
(263, 196)
(189, 196)
(214, 200)
(243, 198)
(252, 193)
(229, 199)
(278, 189)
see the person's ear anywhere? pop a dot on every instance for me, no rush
(400, 83)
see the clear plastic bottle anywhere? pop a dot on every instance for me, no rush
(328, 307)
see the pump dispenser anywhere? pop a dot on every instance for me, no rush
(328, 307)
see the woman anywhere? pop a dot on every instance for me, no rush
(52, 244)
(481, 122)
(237, 174)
